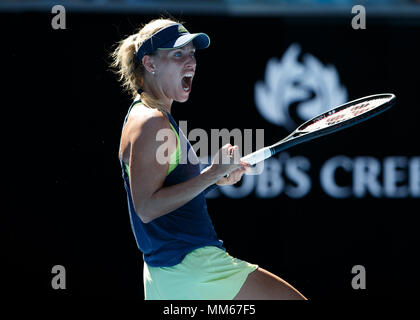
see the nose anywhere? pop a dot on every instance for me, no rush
(191, 62)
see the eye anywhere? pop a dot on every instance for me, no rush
(178, 54)
(192, 53)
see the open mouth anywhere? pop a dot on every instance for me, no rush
(187, 82)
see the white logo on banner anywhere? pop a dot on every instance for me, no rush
(304, 89)
(293, 92)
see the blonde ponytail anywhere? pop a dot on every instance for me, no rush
(129, 69)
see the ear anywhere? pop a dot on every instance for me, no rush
(148, 63)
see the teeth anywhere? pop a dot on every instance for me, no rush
(188, 75)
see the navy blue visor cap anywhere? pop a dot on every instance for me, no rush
(172, 37)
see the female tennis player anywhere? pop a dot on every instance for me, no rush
(183, 257)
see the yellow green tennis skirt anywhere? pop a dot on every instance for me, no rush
(207, 273)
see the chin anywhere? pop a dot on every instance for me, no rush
(183, 99)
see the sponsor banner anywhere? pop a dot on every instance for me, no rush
(340, 176)
(298, 85)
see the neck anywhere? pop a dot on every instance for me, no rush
(163, 101)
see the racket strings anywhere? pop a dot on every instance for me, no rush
(345, 114)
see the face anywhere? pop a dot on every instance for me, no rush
(175, 71)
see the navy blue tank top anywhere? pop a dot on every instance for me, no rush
(166, 240)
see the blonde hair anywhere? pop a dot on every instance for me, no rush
(127, 66)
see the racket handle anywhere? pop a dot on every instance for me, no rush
(257, 156)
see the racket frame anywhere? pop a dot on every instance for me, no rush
(299, 135)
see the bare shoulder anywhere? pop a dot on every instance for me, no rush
(145, 121)
(141, 129)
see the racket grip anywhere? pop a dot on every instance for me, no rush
(257, 156)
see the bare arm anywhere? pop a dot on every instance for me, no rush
(151, 200)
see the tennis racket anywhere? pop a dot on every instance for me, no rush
(336, 119)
